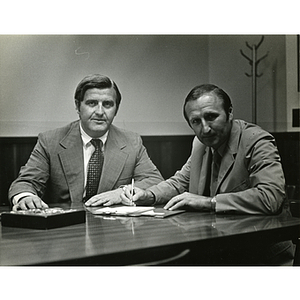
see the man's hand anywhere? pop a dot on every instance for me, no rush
(189, 200)
(106, 199)
(29, 202)
(140, 197)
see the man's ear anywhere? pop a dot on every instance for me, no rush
(77, 106)
(230, 114)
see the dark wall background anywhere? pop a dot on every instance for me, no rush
(168, 153)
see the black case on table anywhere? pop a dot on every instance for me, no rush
(26, 219)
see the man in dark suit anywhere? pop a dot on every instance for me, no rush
(58, 168)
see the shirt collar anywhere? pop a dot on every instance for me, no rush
(86, 138)
(221, 149)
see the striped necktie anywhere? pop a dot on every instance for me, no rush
(94, 169)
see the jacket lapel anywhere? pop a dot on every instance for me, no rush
(198, 167)
(71, 157)
(229, 155)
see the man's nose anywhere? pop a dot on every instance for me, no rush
(99, 109)
(205, 127)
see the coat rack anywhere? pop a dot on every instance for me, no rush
(254, 63)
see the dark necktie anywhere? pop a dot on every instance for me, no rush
(208, 175)
(94, 169)
(215, 172)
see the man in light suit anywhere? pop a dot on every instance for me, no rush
(245, 177)
(57, 168)
(250, 178)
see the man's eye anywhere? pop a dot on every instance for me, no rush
(211, 117)
(92, 103)
(195, 121)
(108, 104)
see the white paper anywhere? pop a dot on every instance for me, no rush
(123, 210)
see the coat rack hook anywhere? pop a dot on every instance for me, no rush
(254, 63)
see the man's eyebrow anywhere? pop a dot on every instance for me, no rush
(104, 100)
(210, 113)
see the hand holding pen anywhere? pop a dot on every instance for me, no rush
(128, 195)
(133, 196)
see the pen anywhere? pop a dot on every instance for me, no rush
(132, 188)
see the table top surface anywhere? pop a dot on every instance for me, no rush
(102, 235)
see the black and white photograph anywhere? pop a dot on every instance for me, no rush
(134, 158)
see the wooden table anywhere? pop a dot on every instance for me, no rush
(179, 239)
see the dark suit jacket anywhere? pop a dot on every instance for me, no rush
(251, 178)
(55, 170)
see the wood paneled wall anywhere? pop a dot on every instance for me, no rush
(288, 144)
(168, 153)
(14, 153)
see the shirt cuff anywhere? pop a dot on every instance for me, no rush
(152, 196)
(18, 197)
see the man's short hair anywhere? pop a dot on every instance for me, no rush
(99, 82)
(200, 90)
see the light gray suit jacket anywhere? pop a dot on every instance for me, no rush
(55, 170)
(251, 178)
